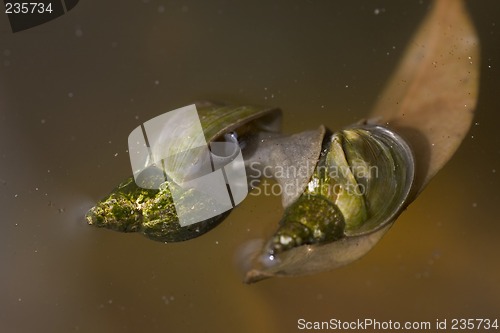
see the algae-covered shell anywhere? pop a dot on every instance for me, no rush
(151, 211)
(361, 184)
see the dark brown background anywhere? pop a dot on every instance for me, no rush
(72, 90)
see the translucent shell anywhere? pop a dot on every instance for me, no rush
(361, 184)
(130, 208)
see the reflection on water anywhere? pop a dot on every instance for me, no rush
(73, 89)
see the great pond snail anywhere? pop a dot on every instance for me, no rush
(131, 208)
(361, 182)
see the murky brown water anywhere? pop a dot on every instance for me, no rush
(71, 91)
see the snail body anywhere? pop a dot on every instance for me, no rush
(144, 203)
(361, 183)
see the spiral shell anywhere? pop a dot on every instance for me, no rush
(361, 183)
(130, 208)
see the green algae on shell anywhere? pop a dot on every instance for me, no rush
(130, 208)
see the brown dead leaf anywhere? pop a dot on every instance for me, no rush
(430, 99)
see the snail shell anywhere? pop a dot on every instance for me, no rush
(360, 185)
(130, 208)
